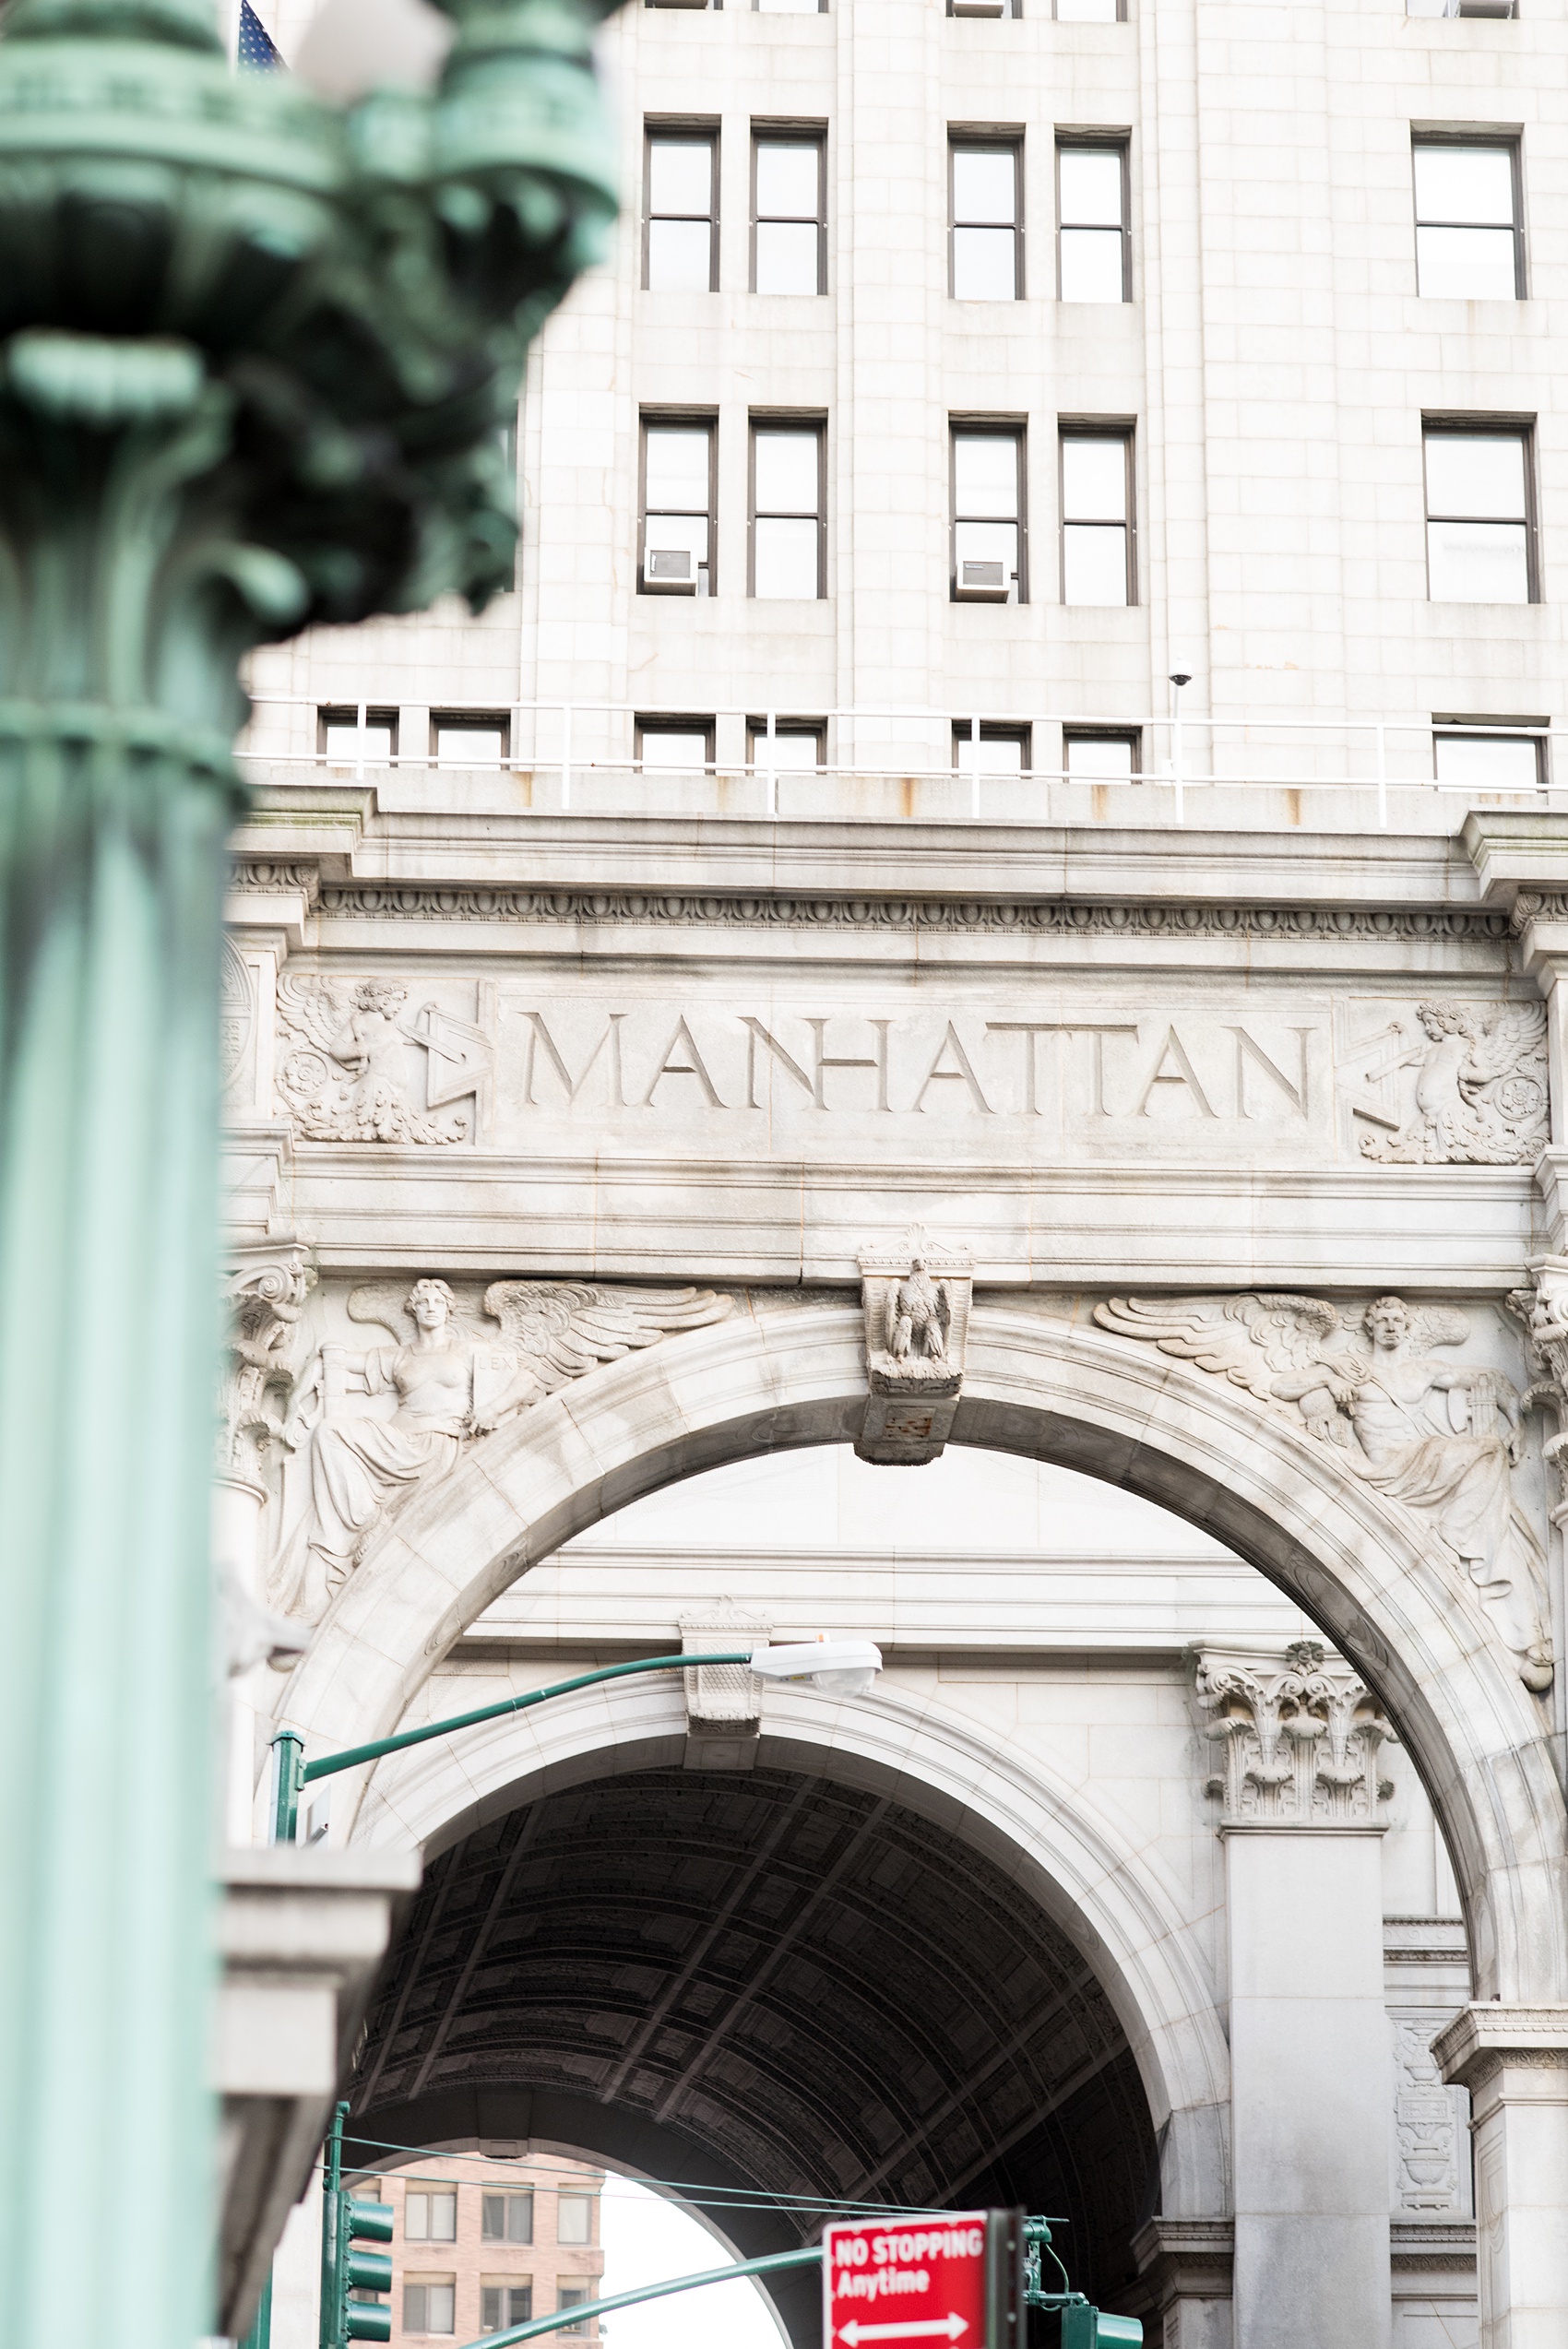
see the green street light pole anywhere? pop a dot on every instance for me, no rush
(837, 1666)
(254, 355)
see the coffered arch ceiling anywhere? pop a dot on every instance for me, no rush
(769, 1980)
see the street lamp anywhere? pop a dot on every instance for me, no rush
(254, 354)
(833, 1668)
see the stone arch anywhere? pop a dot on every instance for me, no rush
(1045, 1386)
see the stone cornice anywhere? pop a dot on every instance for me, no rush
(262, 877)
(1486, 2039)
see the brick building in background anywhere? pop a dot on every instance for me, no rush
(479, 2244)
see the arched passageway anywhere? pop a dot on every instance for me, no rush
(766, 1979)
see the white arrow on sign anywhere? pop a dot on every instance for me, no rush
(923, 2328)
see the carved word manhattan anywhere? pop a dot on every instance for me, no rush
(1101, 1067)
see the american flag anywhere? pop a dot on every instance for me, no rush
(256, 48)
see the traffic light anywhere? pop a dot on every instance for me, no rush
(344, 2224)
(367, 2271)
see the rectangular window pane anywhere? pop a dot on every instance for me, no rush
(679, 256)
(1094, 563)
(793, 750)
(669, 751)
(788, 257)
(785, 557)
(787, 176)
(985, 476)
(677, 468)
(416, 2218)
(345, 745)
(786, 472)
(985, 185)
(414, 2308)
(787, 7)
(1091, 265)
(1477, 562)
(1087, 12)
(1475, 476)
(440, 2302)
(574, 2224)
(1098, 758)
(1090, 179)
(1472, 184)
(1477, 761)
(492, 2218)
(1465, 264)
(519, 2218)
(444, 2207)
(675, 547)
(985, 264)
(1094, 480)
(996, 754)
(461, 746)
(679, 175)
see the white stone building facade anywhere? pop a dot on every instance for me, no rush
(800, 873)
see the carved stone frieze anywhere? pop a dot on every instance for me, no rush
(916, 1301)
(1299, 1736)
(1543, 1309)
(1052, 917)
(1441, 1439)
(266, 1295)
(1465, 1085)
(348, 1058)
(1430, 2154)
(455, 1370)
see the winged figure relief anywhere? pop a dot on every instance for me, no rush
(343, 1068)
(1441, 1437)
(1480, 1088)
(455, 1376)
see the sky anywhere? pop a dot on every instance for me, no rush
(647, 2237)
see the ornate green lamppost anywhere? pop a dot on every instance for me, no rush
(252, 357)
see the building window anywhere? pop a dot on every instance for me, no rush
(574, 2222)
(1091, 12)
(338, 739)
(985, 8)
(469, 738)
(507, 2218)
(1479, 518)
(430, 2304)
(1470, 239)
(788, 552)
(504, 2302)
(1002, 749)
(683, 4)
(789, 8)
(677, 507)
(985, 179)
(680, 227)
(799, 745)
(1094, 754)
(430, 2215)
(1461, 7)
(674, 745)
(988, 515)
(789, 213)
(574, 2295)
(1093, 257)
(1500, 761)
(1096, 516)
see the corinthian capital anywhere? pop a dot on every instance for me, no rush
(1298, 1735)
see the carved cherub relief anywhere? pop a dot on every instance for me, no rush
(345, 1071)
(454, 1379)
(1442, 1438)
(1480, 1094)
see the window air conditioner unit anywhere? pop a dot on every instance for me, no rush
(985, 581)
(670, 567)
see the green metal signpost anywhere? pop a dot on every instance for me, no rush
(254, 351)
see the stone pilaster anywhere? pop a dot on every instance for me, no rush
(1513, 2060)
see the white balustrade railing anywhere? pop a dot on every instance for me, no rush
(1368, 757)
